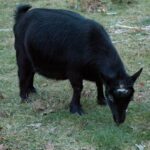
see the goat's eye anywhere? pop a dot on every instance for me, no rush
(111, 98)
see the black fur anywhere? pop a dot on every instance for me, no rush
(21, 9)
(61, 44)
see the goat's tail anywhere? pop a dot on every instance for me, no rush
(21, 10)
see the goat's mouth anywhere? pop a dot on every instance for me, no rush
(119, 119)
(118, 115)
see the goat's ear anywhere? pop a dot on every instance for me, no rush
(136, 75)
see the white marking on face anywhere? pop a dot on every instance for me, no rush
(126, 110)
(123, 90)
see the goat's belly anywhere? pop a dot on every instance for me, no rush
(52, 72)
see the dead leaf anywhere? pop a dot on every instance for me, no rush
(1, 96)
(2, 147)
(2, 139)
(48, 111)
(139, 98)
(44, 84)
(35, 125)
(3, 114)
(86, 93)
(111, 13)
(141, 84)
(140, 146)
(49, 146)
(39, 105)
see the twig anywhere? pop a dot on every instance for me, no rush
(5, 30)
(146, 28)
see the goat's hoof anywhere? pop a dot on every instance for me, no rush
(32, 90)
(25, 100)
(76, 109)
(102, 102)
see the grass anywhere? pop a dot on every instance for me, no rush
(23, 127)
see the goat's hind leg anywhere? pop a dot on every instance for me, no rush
(100, 94)
(32, 89)
(25, 75)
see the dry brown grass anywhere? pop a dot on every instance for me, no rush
(123, 1)
(88, 5)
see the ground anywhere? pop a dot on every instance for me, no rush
(46, 122)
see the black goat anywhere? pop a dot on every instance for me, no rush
(61, 44)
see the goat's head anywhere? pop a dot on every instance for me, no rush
(118, 94)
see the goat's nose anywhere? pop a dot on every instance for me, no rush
(119, 119)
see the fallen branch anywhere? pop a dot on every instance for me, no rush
(5, 30)
(146, 28)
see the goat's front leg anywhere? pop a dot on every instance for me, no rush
(100, 93)
(76, 82)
